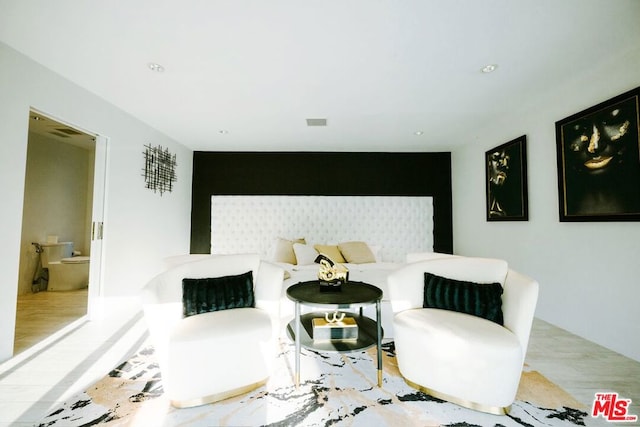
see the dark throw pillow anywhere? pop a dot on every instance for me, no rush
(478, 299)
(217, 293)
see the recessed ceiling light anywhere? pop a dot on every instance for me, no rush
(223, 131)
(155, 67)
(489, 68)
(418, 132)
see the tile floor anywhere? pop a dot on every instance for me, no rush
(40, 377)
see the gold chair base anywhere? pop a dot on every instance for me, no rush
(496, 410)
(217, 396)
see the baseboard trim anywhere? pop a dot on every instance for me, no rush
(188, 403)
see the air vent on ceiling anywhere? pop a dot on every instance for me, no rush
(59, 134)
(69, 131)
(316, 122)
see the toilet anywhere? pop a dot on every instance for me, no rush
(66, 272)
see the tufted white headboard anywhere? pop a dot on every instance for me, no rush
(397, 224)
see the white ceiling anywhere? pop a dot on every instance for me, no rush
(378, 71)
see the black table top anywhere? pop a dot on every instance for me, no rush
(351, 293)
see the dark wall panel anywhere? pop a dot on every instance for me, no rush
(322, 174)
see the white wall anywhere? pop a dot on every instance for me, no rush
(140, 227)
(589, 273)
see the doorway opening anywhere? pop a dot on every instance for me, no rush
(56, 253)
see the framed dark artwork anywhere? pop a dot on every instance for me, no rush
(598, 152)
(506, 181)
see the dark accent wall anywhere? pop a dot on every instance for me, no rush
(320, 174)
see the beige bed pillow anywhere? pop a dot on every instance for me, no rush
(356, 252)
(331, 251)
(283, 251)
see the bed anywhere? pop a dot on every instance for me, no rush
(371, 234)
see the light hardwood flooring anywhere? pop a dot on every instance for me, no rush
(41, 314)
(582, 367)
(51, 371)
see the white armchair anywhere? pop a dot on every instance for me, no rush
(214, 355)
(459, 357)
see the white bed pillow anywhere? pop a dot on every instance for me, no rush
(305, 254)
(377, 252)
(283, 250)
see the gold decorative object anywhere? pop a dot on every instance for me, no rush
(334, 317)
(331, 273)
(335, 327)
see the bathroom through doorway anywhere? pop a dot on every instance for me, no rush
(62, 216)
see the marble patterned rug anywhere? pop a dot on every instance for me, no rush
(335, 390)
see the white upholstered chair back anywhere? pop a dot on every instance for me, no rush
(195, 371)
(162, 296)
(163, 288)
(519, 298)
(406, 285)
(412, 257)
(441, 350)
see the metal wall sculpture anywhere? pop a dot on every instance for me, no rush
(159, 169)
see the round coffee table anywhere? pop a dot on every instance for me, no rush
(352, 295)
